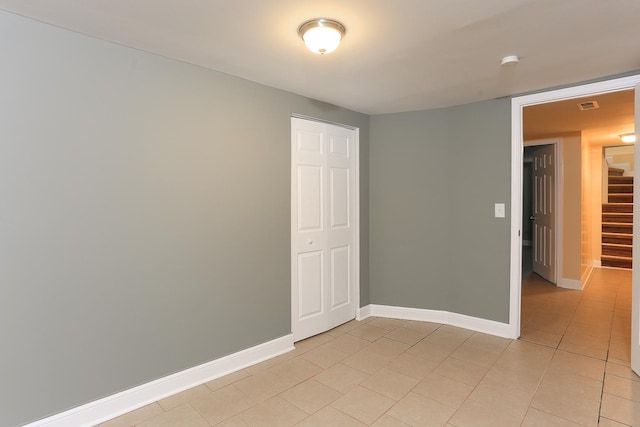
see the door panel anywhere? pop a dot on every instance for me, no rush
(323, 232)
(309, 141)
(544, 190)
(310, 198)
(310, 272)
(341, 234)
(340, 277)
(339, 146)
(339, 198)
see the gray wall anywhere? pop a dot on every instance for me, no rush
(434, 178)
(145, 216)
(409, 209)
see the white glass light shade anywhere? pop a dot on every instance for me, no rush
(321, 35)
(628, 138)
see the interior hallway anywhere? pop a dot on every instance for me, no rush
(570, 368)
(594, 325)
(595, 322)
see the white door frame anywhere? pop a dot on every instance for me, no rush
(356, 243)
(517, 105)
(558, 191)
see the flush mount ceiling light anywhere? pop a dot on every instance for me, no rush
(322, 35)
(628, 137)
(511, 59)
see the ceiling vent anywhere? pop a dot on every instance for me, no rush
(588, 105)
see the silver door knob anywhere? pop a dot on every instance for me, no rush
(311, 241)
(532, 218)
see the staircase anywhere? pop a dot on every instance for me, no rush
(617, 221)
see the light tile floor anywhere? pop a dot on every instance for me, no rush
(570, 368)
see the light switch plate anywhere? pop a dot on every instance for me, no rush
(500, 210)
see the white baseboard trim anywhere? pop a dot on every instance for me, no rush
(363, 312)
(570, 284)
(586, 276)
(445, 317)
(115, 405)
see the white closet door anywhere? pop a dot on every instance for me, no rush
(323, 198)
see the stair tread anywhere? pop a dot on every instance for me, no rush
(617, 218)
(617, 208)
(620, 245)
(616, 258)
(616, 241)
(626, 264)
(608, 234)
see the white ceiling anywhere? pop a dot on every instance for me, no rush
(400, 55)
(600, 127)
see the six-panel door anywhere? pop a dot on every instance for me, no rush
(544, 199)
(323, 227)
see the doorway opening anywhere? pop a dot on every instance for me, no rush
(548, 129)
(590, 207)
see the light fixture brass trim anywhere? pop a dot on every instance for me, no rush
(321, 22)
(310, 30)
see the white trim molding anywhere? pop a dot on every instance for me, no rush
(565, 283)
(517, 105)
(356, 246)
(363, 312)
(445, 317)
(115, 405)
(586, 275)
